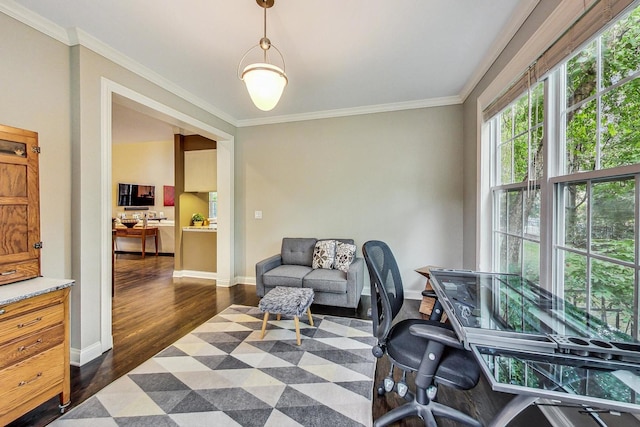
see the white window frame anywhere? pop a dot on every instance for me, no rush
(551, 264)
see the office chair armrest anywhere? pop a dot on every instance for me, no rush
(429, 294)
(436, 333)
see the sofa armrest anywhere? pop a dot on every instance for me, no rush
(264, 266)
(355, 281)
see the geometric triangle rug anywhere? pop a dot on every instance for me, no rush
(223, 374)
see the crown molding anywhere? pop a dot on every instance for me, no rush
(344, 112)
(79, 36)
(35, 21)
(515, 22)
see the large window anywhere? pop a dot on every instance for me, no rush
(590, 178)
(597, 186)
(518, 160)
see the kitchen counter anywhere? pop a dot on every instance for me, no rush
(199, 249)
(18, 291)
(203, 229)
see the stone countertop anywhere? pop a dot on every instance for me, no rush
(203, 229)
(24, 289)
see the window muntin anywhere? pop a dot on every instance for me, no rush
(602, 95)
(597, 234)
(598, 249)
(518, 167)
(521, 131)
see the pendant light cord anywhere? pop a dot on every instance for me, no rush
(264, 51)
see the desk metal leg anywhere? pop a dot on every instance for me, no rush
(513, 408)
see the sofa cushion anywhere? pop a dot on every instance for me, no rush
(345, 253)
(286, 275)
(324, 254)
(297, 251)
(323, 280)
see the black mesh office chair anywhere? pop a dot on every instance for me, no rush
(429, 348)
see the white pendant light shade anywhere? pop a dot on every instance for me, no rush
(265, 83)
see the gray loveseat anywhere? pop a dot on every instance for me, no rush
(293, 267)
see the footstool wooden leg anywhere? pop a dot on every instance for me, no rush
(309, 316)
(295, 320)
(278, 316)
(264, 323)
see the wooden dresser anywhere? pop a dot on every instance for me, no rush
(34, 345)
(34, 311)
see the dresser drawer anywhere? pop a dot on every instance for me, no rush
(34, 303)
(13, 272)
(25, 324)
(27, 379)
(25, 347)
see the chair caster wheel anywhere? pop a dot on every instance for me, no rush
(377, 351)
(381, 391)
(431, 392)
(402, 389)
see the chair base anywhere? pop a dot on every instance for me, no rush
(427, 413)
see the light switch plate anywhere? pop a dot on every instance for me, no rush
(257, 214)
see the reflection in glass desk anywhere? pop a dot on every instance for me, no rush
(533, 343)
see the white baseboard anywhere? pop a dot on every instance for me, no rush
(196, 274)
(85, 355)
(246, 280)
(413, 294)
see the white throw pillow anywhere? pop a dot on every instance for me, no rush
(324, 254)
(345, 253)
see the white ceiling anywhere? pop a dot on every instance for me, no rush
(342, 56)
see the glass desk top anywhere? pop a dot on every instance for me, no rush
(529, 341)
(516, 313)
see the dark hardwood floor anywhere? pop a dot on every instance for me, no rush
(151, 310)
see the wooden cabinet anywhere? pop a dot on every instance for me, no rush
(200, 171)
(19, 205)
(34, 311)
(34, 352)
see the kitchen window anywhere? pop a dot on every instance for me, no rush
(213, 204)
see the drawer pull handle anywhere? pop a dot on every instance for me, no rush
(27, 347)
(21, 383)
(34, 321)
(2, 311)
(8, 273)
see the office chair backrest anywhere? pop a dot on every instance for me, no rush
(386, 287)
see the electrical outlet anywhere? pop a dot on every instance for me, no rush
(257, 214)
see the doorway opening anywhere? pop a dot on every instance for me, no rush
(113, 93)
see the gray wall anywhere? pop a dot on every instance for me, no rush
(471, 138)
(391, 176)
(34, 83)
(88, 310)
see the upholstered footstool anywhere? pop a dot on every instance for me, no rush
(288, 301)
